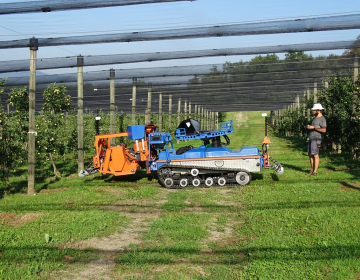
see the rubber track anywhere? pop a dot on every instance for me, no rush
(161, 179)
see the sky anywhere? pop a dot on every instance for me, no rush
(170, 15)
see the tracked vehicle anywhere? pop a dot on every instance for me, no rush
(212, 164)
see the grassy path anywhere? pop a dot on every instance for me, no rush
(292, 226)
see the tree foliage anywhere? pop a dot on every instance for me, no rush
(12, 137)
(50, 124)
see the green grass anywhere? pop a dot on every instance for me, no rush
(291, 226)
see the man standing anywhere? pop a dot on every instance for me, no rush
(317, 127)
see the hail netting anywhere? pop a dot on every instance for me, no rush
(228, 87)
(270, 27)
(60, 5)
(71, 61)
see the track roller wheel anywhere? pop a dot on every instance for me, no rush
(221, 181)
(209, 182)
(169, 183)
(243, 178)
(194, 172)
(196, 182)
(183, 182)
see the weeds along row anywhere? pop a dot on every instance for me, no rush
(341, 105)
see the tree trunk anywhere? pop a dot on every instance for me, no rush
(56, 172)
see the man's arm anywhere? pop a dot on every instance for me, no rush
(318, 129)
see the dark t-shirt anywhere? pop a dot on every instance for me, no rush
(319, 122)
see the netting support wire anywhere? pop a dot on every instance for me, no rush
(32, 132)
(80, 117)
(133, 106)
(148, 107)
(112, 104)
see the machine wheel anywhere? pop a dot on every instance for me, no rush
(169, 183)
(196, 182)
(209, 182)
(243, 178)
(194, 172)
(221, 181)
(183, 182)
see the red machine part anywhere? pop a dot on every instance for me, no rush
(120, 160)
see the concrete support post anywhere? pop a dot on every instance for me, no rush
(189, 109)
(308, 110)
(216, 120)
(315, 92)
(202, 120)
(32, 132)
(80, 112)
(298, 104)
(170, 111)
(178, 116)
(160, 112)
(185, 108)
(355, 98)
(148, 107)
(355, 79)
(207, 119)
(133, 106)
(112, 104)
(195, 112)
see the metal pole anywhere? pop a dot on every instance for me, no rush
(80, 117)
(112, 104)
(133, 107)
(32, 132)
(189, 109)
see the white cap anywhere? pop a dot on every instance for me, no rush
(317, 106)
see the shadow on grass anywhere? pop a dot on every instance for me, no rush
(170, 255)
(350, 186)
(121, 206)
(305, 204)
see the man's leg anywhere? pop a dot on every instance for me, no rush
(311, 157)
(316, 163)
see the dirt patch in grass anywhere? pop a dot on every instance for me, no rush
(109, 189)
(15, 220)
(107, 247)
(46, 191)
(240, 118)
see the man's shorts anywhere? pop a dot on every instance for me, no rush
(314, 146)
